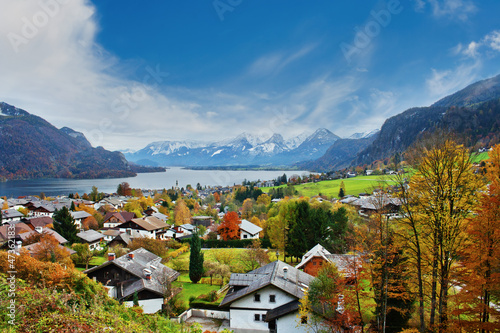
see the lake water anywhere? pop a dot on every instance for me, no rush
(160, 180)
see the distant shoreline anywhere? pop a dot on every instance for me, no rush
(242, 168)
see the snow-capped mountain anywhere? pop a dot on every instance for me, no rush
(245, 149)
(363, 135)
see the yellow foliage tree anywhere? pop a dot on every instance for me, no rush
(182, 215)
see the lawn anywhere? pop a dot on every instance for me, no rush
(330, 188)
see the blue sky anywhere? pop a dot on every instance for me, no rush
(128, 73)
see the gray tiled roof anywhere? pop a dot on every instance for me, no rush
(249, 227)
(270, 274)
(80, 215)
(282, 310)
(90, 236)
(143, 259)
(49, 231)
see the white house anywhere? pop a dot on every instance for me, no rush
(248, 230)
(78, 218)
(266, 299)
(91, 237)
(139, 272)
(147, 226)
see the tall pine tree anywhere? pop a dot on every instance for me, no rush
(195, 259)
(65, 225)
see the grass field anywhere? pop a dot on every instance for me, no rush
(330, 188)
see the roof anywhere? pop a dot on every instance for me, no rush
(90, 236)
(51, 232)
(31, 247)
(149, 223)
(124, 237)
(11, 213)
(160, 216)
(121, 216)
(282, 310)
(111, 232)
(269, 275)
(21, 229)
(41, 221)
(249, 227)
(316, 251)
(81, 214)
(143, 259)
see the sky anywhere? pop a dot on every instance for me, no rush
(127, 73)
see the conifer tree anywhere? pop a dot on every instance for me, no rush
(65, 225)
(195, 259)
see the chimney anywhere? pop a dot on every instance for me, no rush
(111, 256)
(39, 229)
(285, 273)
(147, 274)
(131, 256)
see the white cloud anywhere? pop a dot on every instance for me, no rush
(454, 9)
(493, 40)
(445, 82)
(274, 63)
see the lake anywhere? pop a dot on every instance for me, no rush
(160, 180)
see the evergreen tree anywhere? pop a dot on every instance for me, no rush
(73, 208)
(195, 259)
(64, 225)
(342, 190)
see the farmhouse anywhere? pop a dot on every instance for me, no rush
(139, 272)
(266, 299)
(92, 238)
(248, 230)
(148, 226)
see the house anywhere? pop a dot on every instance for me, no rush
(40, 230)
(248, 230)
(110, 234)
(114, 219)
(42, 221)
(78, 218)
(139, 272)
(147, 226)
(266, 299)
(317, 257)
(92, 238)
(11, 215)
(205, 221)
(122, 239)
(114, 202)
(13, 231)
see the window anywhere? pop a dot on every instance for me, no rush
(256, 297)
(256, 317)
(303, 320)
(314, 263)
(263, 317)
(245, 236)
(106, 275)
(272, 298)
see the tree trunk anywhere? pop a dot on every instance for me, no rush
(432, 320)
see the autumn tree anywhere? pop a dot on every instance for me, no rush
(255, 256)
(5, 204)
(479, 273)
(153, 245)
(230, 226)
(195, 259)
(442, 194)
(48, 249)
(124, 189)
(90, 223)
(182, 215)
(64, 225)
(83, 254)
(247, 209)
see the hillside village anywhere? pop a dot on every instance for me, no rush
(240, 259)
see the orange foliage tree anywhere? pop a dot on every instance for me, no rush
(230, 226)
(90, 223)
(479, 275)
(49, 250)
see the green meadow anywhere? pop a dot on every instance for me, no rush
(330, 188)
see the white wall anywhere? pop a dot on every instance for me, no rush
(150, 305)
(290, 323)
(243, 310)
(249, 236)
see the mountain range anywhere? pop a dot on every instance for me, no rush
(245, 149)
(31, 147)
